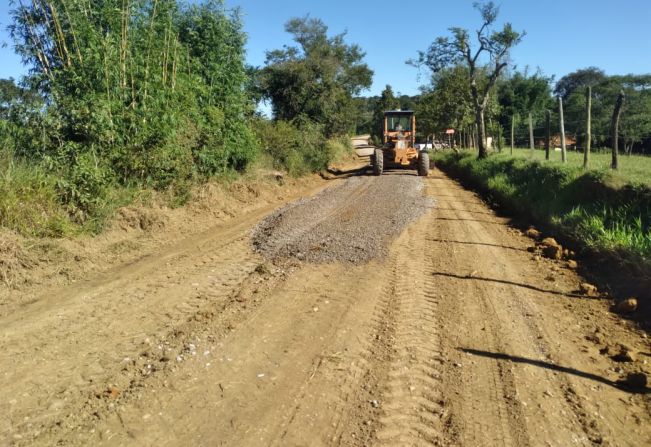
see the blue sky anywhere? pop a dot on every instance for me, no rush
(562, 35)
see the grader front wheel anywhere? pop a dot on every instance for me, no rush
(423, 164)
(378, 162)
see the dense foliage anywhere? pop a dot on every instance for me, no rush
(129, 94)
(141, 91)
(299, 148)
(316, 79)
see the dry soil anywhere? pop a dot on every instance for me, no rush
(388, 311)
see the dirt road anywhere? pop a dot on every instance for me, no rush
(442, 329)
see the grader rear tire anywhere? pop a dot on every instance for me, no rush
(378, 162)
(423, 164)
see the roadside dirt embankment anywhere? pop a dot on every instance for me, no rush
(28, 266)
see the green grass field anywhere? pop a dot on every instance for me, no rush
(632, 168)
(603, 211)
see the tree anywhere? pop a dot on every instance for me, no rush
(317, 79)
(578, 80)
(365, 107)
(521, 93)
(635, 124)
(445, 52)
(10, 93)
(447, 102)
(387, 101)
(615, 130)
(20, 117)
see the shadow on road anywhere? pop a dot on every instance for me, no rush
(516, 284)
(466, 211)
(337, 173)
(553, 367)
(447, 241)
(333, 173)
(472, 220)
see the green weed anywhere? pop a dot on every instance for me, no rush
(586, 205)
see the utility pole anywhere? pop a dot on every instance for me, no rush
(512, 132)
(531, 142)
(548, 133)
(615, 129)
(588, 127)
(562, 127)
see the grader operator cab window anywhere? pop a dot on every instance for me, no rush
(396, 122)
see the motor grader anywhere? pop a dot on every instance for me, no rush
(399, 138)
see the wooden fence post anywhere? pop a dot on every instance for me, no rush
(477, 136)
(615, 129)
(588, 127)
(512, 133)
(548, 132)
(491, 130)
(531, 142)
(562, 127)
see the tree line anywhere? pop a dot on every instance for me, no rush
(474, 90)
(446, 103)
(125, 94)
(464, 89)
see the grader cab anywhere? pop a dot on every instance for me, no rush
(399, 138)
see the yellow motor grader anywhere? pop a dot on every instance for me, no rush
(399, 149)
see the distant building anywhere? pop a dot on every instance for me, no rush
(555, 141)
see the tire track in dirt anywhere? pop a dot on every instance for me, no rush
(137, 323)
(412, 404)
(457, 337)
(410, 355)
(469, 318)
(504, 305)
(400, 401)
(65, 353)
(490, 407)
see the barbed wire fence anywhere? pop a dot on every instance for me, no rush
(575, 131)
(575, 135)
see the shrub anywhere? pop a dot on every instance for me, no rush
(297, 147)
(29, 203)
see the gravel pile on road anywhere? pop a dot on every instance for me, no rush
(353, 222)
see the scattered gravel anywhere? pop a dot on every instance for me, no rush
(353, 222)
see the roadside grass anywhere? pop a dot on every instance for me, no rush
(586, 206)
(29, 203)
(632, 168)
(35, 201)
